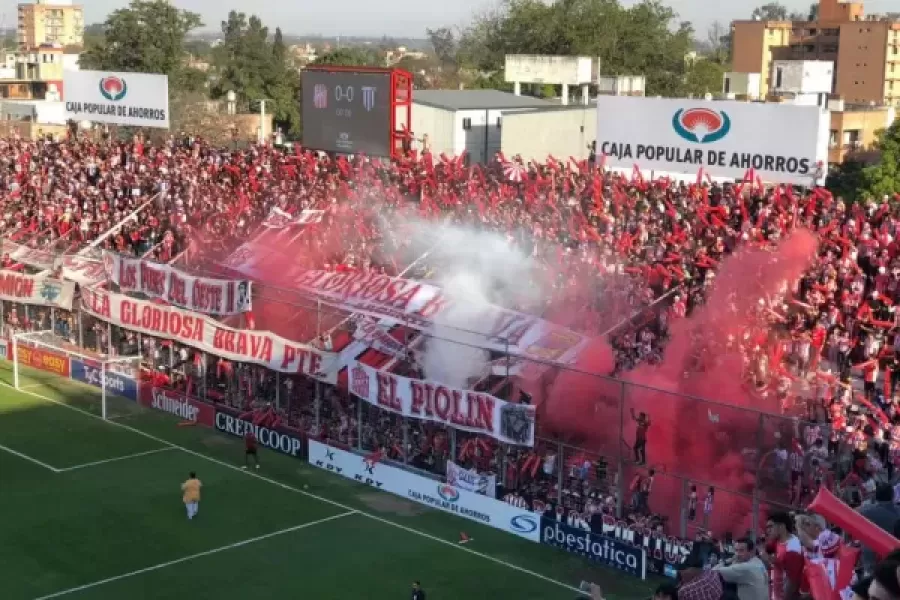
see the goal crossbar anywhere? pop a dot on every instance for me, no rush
(45, 339)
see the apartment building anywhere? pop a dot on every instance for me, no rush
(864, 49)
(50, 22)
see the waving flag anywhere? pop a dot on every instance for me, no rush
(515, 172)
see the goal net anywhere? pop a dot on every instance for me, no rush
(102, 381)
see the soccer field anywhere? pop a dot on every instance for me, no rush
(92, 509)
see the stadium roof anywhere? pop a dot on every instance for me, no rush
(476, 100)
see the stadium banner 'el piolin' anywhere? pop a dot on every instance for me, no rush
(198, 331)
(117, 383)
(200, 294)
(477, 412)
(724, 138)
(133, 99)
(36, 290)
(426, 491)
(178, 404)
(599, 548)
(81, 270)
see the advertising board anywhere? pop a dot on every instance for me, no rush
(596, 547)
(429, 492)
(724, 138)
(116, 383)
(45, 360)
(134, 99)
(276, 437)
(347, 112)
(4, 349)
(177, 404)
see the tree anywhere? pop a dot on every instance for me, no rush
(883, 178)
(256, 69)
(146, 37)
(718, 36)
(351, 57)
(813, 11)
(443, 41)
(846, 180)
(773, 11)
(704, 77)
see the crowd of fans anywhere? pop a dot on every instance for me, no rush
(627, 257)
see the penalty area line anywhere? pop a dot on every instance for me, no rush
(184, 559)
(284, 486)
(30, 459)
(115, 459)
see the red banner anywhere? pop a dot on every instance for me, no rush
(45, 360)
(178, 404)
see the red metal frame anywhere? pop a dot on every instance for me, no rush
(401, 83)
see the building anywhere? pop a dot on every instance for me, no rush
(453, 121)
(57, 22)
(559, 131)
(853, 129)
(864, 49)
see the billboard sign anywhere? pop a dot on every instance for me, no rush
(45, 360)
(133, 99)
(116, 383)
(724, 138)
(599, 548)
(178, 404)
(277, 437)
(347, 112)
(426, 491)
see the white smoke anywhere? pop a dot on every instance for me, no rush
(475, 270)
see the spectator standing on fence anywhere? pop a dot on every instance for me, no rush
(747, 572)
(640, 437)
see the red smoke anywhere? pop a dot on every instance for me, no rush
(689, 440)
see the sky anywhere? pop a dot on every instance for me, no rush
(408, 18)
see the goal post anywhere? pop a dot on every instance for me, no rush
(96, 367)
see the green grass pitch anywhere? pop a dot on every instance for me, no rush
(91, 509)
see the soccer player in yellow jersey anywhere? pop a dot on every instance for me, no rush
(191, 494)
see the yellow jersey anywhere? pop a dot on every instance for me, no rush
(191, 489)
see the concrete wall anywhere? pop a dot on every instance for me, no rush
(562, 133)
(438, 125)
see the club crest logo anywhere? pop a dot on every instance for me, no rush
(113, 88)
(359, 382)
(701, 125)
(50, 291)
(448, 493)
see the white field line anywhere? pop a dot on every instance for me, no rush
(184, 559)
(116, 459)
(29, 459)
(289, 488)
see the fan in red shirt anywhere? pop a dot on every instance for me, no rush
(250, 450)
(785, 557)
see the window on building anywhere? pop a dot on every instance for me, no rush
(499, 122)
(852, 137)
(833, 138)
(467, 123)
(779, 76)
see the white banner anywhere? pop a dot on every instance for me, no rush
(156, 280)
(375, 335)
(431, 493)
(421, 306)
(279, 219)
(204, 333)
(724, 138)
(471, 480)
(134, 99)
(36, 290)
(461, 409)
(80, 269)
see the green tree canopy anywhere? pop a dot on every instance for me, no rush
(773, 11)
(883, 178)
(147, 37)
(644, 39)
(255, 68)
(351, 57)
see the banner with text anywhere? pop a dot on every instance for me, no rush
(133, 99)
(596, 547)
(156, 280)
(461, 409)
(205, 333)
(178, 404)
(470, 480)
(45, 360)
(279, 219)
(724, 138)
(422, 306)
(265, 426)
(80, 269)
(116, 383)
(429, 492)
(375, 335)
(36, 290)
